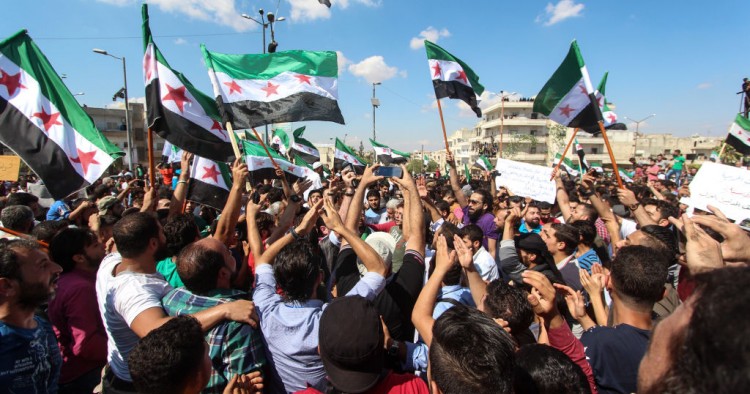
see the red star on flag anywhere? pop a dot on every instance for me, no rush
(583, 89)
(178, 96)
(211, 172)
(566, 110)
(436, 68)
(216, 126)
(233, 87)
(49, 120)
(612, 118)
(148, 64)
(85, 159)
(11, 82)
(462, 76)
(599, 101)
(270, 89)
(303, 78)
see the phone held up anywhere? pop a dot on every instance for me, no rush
(389, 172)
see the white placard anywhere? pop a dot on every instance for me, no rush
(526, 180)
(724, 187)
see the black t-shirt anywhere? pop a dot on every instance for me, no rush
(396, 302)
(614, 354)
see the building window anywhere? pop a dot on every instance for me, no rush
(532, 150)
(594, 150)
(532, 132)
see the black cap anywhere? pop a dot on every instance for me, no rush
(350, 339)
(531, 242)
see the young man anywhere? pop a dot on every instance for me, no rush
(290, 322)
(29, 356)
(207, 269)
(74, 312)
(532, 221)
(585, 253)
(677, 165)
(374, 213)
(561, 241)
(485, 264)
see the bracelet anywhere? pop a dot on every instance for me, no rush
(296, 236)
(587, 193)
(179, 182)
(349, 194)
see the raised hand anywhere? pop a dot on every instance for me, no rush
(239, 172)
(542, 296)
(734, 248)
(574, 299)
(330, 215)
(465, 255)
(369, 176)
(308, 221)
(626, 196)
(593, 284)
(301, 186)
(702, 252)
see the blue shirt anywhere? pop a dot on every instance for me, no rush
(58, 210)
(291, 331)
(524, 229)
(30, 359)
(586, 260)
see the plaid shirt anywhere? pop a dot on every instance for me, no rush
(233, 347)
(601, 230)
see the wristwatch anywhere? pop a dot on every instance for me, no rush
(634, 206)
(295, 198)
(393, 350)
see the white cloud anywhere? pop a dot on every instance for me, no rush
(373, 69)
(180, 41)
(342, 61)
(431, 34)
(310, 10)
(486, 100)
(564, 9)
(221, 12)
(705, 85)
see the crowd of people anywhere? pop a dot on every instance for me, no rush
(358, 283)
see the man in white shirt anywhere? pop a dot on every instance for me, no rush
(484, 263)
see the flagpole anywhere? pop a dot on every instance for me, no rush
(721, 152)
(236, 148)
(442, 122)
(502, 121)
(276, 166)
(24, 236)
(151, 175)
(565, 152)
(609, 150)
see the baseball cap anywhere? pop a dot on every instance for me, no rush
(350, 339)
(316, 165)
(105, 203)
(531, 242)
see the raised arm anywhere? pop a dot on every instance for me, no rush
(180, 192)
(455, 184)
(304, 228)
(509, 262)
(602, 209)
(253, 235)
(415, 213)
(369, 257)
(627, 197)
(355, 208)
(563, 201)
(421, 315)
(231, 212)
(477, 285)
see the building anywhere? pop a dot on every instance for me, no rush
(695, 147)
(111, 122)
(530, 137)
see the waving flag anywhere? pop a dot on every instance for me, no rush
(583, 164)
(290, 86)
(210, 182)
(41, 121)
(177, 111)
(281, 138)
(386, 155)
(484, 163)
(453, 78)
(739, 135)
(261, 168)
(343, 155)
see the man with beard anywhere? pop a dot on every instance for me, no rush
(477, 209)
(29, 356)
(74, 313)
(208, 269)
(532, 220)
(129, 293)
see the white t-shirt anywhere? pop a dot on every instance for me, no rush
(121, 299)
(316, 183)
(627, 227)
(485, 265)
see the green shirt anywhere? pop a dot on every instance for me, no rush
(168, 268)
(679, 161)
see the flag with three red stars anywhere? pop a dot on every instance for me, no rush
(261, 168)
(453, 78)
(177, 111)
(41, 121)
(290, 86)
(210, 182)
(568, 97)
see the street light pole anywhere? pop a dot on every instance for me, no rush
(637, 130)
(375, 104)
(271, 19)
(127, 107)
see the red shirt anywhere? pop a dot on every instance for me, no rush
(166, 175)
(393, 383)
(75, 318)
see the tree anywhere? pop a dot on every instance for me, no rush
(417, 166)
(730, 155)
(515, 145)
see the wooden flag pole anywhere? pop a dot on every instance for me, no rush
(257, 136)
(151, 172)
(565, 152)
(442, 123)
(236, 148)
(611, 154)
(721, 152)
(24, 236)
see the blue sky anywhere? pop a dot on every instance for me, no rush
(682, 60)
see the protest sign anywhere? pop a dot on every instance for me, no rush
(9, 167)
(526, 180)
(724, 187)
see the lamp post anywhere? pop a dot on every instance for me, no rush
(375, 104)
(127, 107)
(637, 129)
(272, 46)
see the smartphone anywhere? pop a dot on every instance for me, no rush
(389, 172)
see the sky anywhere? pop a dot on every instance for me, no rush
(681, 60)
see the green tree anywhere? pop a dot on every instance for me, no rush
(516, 144)
(730, 155)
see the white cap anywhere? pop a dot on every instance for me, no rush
(316, 165)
